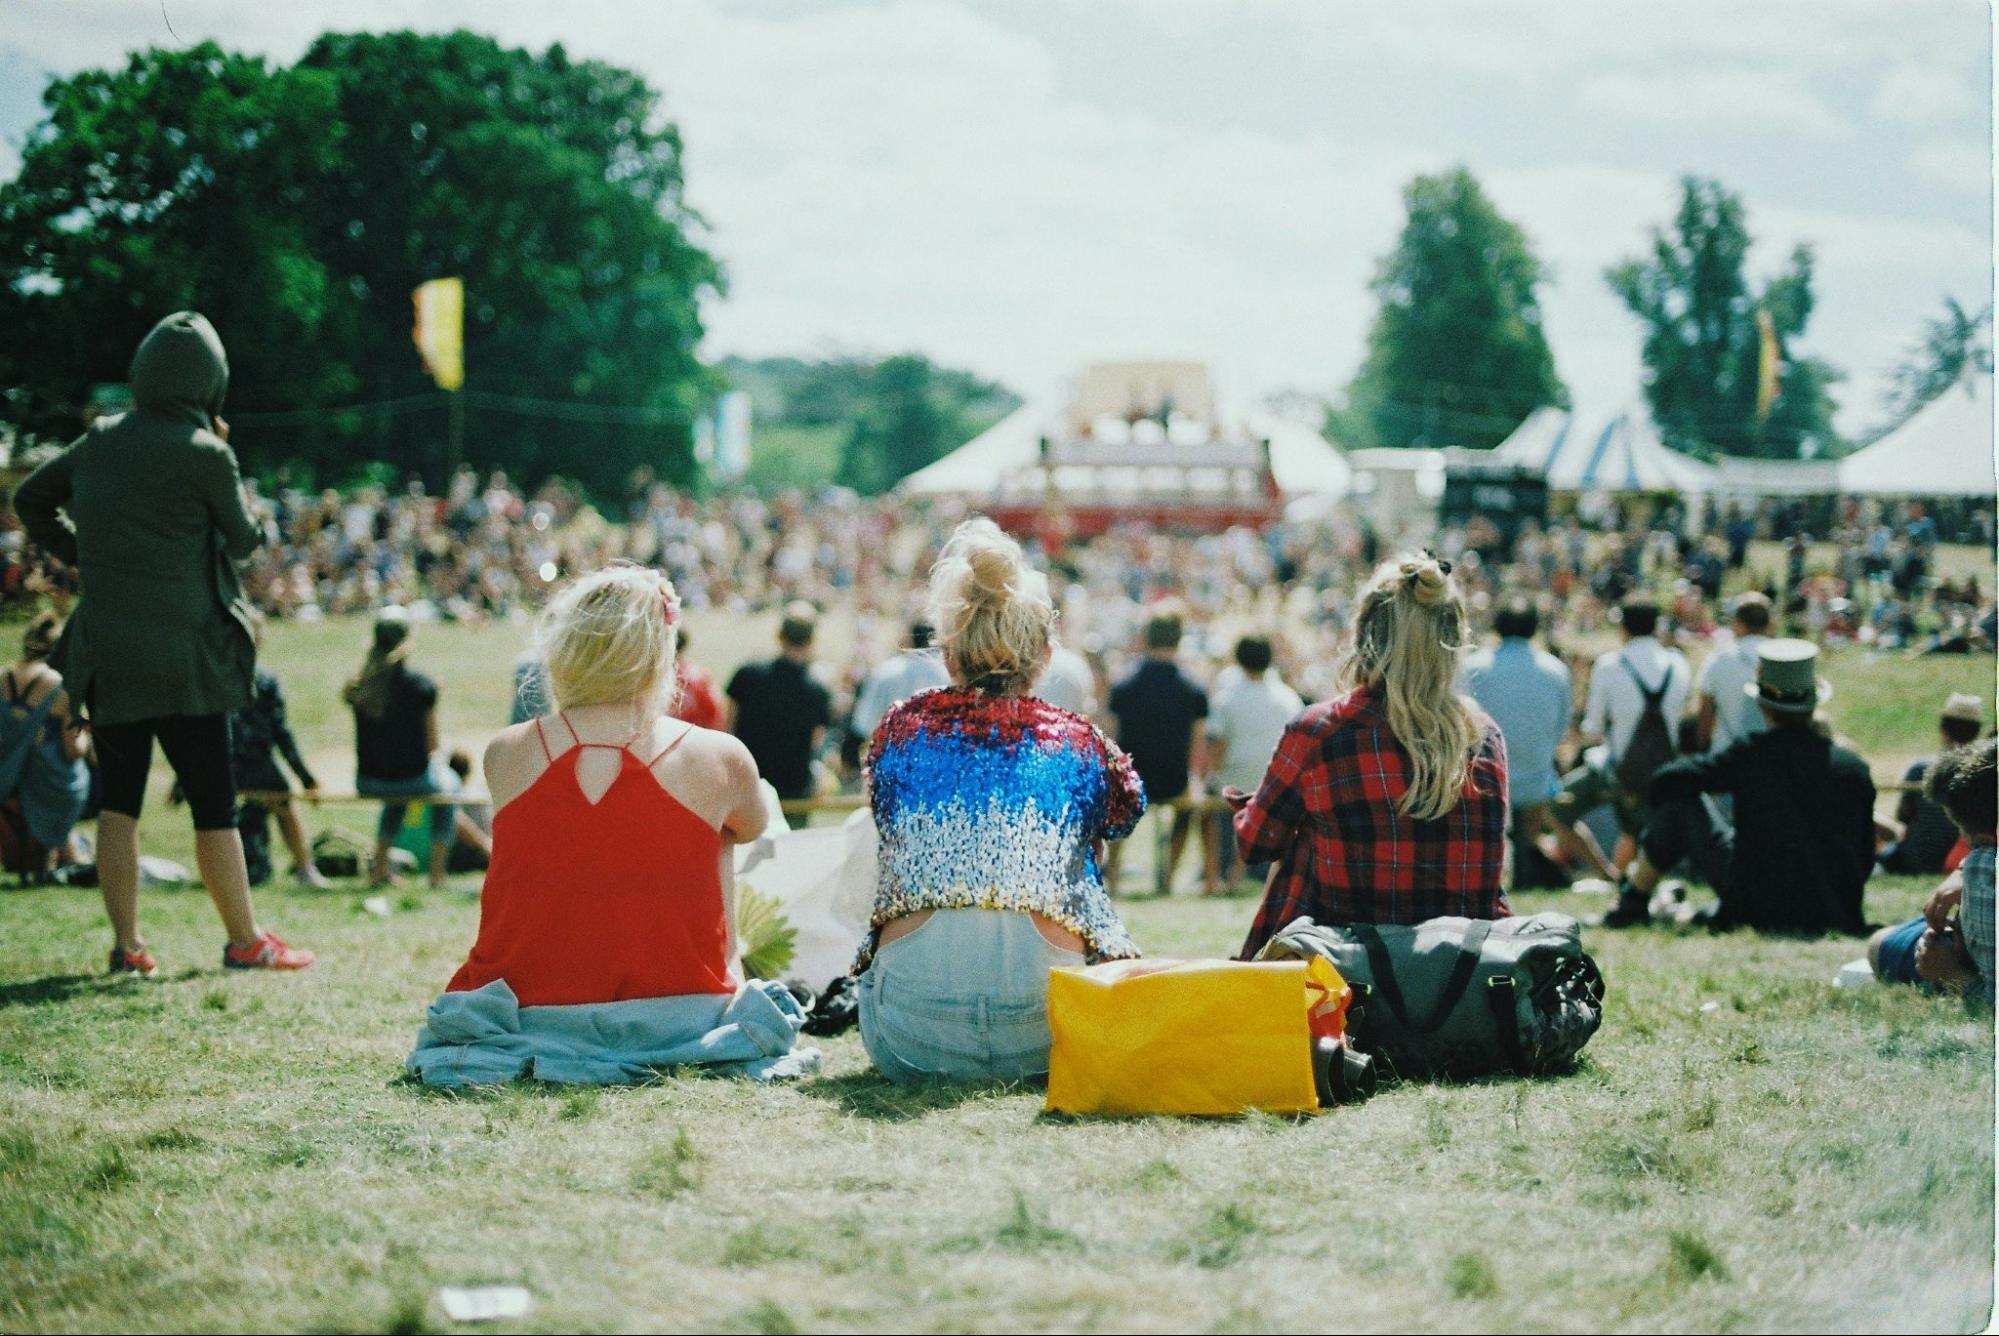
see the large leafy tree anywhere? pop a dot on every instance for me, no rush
(1457, 355)
(552, 187)
(182, 179)
(1703, 350)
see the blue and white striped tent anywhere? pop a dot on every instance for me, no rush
(1579, 453)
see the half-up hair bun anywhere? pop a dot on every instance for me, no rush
(1407, 639)
(992, 610)
(1427, 579)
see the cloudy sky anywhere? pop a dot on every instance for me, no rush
(1021, 186)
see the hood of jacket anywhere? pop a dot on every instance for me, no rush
(180, 370)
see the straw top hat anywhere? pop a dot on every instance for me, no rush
(1787, 677)
(1963, 705)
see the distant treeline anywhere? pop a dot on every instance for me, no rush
(862, 422)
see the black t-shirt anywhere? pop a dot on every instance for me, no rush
(1804, 827)
(1930, 835)
(778, 708)
(397, 744)
(1158, 707)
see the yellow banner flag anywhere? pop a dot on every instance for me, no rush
(1769, 363)
(440, 330)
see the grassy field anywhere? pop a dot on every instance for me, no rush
(1744, 1148)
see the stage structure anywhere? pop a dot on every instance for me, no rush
(1134, 442)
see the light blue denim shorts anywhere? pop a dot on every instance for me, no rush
(964, 997)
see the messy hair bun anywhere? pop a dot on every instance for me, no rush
(991, 609)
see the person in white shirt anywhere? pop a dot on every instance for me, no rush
(1723, 712)
(896, 679)
(1619, 683)
(1068, 684)
(1245, 722)
(1528, 693)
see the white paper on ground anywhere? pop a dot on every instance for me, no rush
(1855, 974)
(484, 1303)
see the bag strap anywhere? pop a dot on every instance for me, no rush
(1501, 995)
(1382, 966)
(1653, 699)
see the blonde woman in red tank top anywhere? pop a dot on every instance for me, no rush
(613, 824)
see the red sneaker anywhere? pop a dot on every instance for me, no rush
(139, 962)
(266, 953)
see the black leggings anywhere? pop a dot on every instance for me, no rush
(197, 747)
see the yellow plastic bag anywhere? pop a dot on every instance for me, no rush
(1204, 1037)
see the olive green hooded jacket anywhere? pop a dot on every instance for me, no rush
(149, 508)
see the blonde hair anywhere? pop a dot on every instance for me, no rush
(1407, 640)
(992, 611)
(610, 638)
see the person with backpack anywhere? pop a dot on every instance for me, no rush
(1797, 855)
(1637, 694)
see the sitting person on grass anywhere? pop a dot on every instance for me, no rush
(606, 947)
(396, 756)
(42, 746)
(993, 808)
(1801, 845)
(1953, 955)
(1386, 804)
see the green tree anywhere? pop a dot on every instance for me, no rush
(1702, 348)
(902, 427)
(305, 204)
(180, 180)
(1953, 344)
(1457, 355)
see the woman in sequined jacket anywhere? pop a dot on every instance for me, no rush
(993, 808)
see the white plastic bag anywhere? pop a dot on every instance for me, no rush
(822, 878)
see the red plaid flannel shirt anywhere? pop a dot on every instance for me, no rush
(1326, 814)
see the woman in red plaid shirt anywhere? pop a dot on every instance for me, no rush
(1386, 804)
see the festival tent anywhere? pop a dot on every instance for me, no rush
(1302, 461)
(976, 467)
(1623, 453)
(1944, 450)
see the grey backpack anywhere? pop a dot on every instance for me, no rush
(1457, 997)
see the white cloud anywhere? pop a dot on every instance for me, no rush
(1920, 94)
(1743, 101)
(930, 174)
(1956, 164)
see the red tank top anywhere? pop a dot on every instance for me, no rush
(603, 901)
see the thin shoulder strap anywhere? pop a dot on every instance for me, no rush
(574, 736)
(540, 733)
(678, 738)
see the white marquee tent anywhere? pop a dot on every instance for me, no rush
(1944, 450)
(1622, 453)
(1304, 462)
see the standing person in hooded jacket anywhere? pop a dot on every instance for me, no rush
(148, 507)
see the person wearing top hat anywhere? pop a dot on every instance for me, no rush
(1801, 847)
(1927, 833)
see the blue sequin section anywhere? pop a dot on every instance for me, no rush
(988, 802)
